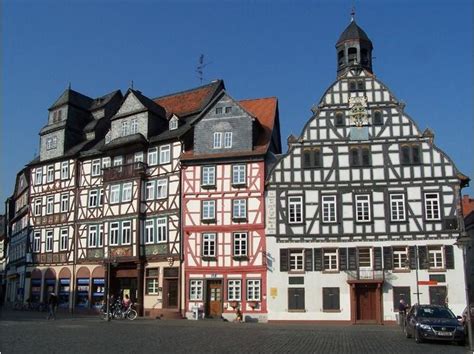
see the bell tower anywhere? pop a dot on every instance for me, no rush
(354, 49)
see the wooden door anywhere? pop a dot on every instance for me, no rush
(214, 298)
(171, 292)
(366, 299)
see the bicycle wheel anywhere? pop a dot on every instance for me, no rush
(118, 314)
(103, 314)
(132, 314)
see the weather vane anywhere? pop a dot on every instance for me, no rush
(200, 67)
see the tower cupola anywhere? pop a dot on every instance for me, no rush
(354, 49)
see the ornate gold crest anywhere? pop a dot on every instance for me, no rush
(358, 113)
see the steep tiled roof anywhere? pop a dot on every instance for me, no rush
(190, 101)
(353, 32)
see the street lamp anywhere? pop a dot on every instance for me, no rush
(463, 242)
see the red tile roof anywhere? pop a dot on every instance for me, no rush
(467, 205)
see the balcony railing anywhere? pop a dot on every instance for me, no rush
(365, 274)
(116, 173)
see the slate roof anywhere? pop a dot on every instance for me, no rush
(100, 102)
(73, 97)
(353, 32)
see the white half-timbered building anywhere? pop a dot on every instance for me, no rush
(362, 206)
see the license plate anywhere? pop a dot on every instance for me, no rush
(444, 334)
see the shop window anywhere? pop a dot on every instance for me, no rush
(151, 281)
(35, 290)
(63, 292)
(82, 293)
(98, 291)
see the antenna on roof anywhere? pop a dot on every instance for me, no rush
(200, 67)
(131, 84)
(353, 13)
(69, 86)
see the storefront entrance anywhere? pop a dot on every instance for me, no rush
(214, 298)
(170, 293)
(366, 302)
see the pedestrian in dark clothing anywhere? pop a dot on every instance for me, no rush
(402, 310)
(52, 304)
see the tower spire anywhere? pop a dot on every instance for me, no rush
(353, 13)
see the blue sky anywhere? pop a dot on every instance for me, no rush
(423, 52)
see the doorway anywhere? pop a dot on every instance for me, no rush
(366, 300)
(214, 298)
(170, 292)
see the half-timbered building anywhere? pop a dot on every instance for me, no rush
(223, 177)
(363, 210)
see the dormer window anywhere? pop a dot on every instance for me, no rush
(228, 140)
(125, 128)
(228, 110)
(57, 116)
(173, 123)
(219, 110)
(217, 140)
(134, 126)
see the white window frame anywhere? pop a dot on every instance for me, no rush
(227, 140)
(296, 260)
(106, 162)
(93, 199)
(196, 290)
(126, 234)
(37, 242)
(152, 157)
(173, 125)
(329, 208)
(101, 197)
(118, 161)
(92, 236)
(138, 157)
(208, 176)
(397, 207)
(134, 126)
(114, 228)
(161, 230)
(371, 258)
(65, 170)
(39, 176)
(149, 231)
(100, 235)
(150, 190)
(239, 209)
(239, 174)
(432, 206)
(362, 211)
(64, 239)
(125, 128)
(165, 154)
(209, 209)
(96, 168)
(217, 140)
(209, 244)
(240, 244)
(162, 188)
(127, 191)
(49, 205)
(115, 194)
(331, 259)
(234, 289)
(400, 256)
(38, 206)
(253, 289)
(50, 174)
(49, 241)
(64, 202)
(436, 257)
(295, 203)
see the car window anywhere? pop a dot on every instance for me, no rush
(435, 312)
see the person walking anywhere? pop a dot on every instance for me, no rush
(52, 304)
(402, 311)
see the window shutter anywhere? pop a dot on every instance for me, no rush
(283, 260)
(387, 258)
(343, 258)
(423, 257)
(378, 258)
(412, 257)
(318, 259)
(449, 257)
(292, 299)
(352, 258)
(308, 259)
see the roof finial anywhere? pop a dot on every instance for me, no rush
(69, 85)
(131, 84)
(353, 13)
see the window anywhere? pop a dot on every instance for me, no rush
(65, 170)
(360, 156)
(149, 231)
(330, 259)
(228, 110)
(195, 290)
(63, 242)
(432, 211)
(49, 240)
(296, 260)
(234, 288)
(138, 157)
(295, 210)
(208, 245)
(37, 242)
(240, 244)
(217, 142)
(339, 120)
(330, 298)
(50, 174)
(93, 242)
(105, 162)
(435, 257)
(218, 110)
(397, 207)
(208, 210)
(377, 118)
(93, 198)
(238, 175)
(100, 236)
(151, 280)
(96, 168)
(125, 128)
(150, 190)
(162, 188)
(161, 230)
(296, 299)
(173, 124)
(365, 258)
(39, 176)
(64, 203)
(126, 232)
(228, 140)
(118, 161)
(114, 233)
(134, 126)
(49, 205)
(165, 154)
(153, 156)
(329, 208)
(127, 192)
(362, 208)
(49, 144)
(312, 158)
(114, 193)
(438, 295)
(410, 154)
(208, 176)
(101, 197)
(400, 258)
(399, 293)
(253, 290)
(239, 209)
(38, 207)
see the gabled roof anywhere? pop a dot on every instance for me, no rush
(353, 32)
(149, 104)
(191, 101)
(100, 102)
(73, 97)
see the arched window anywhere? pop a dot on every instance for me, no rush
(365, 157)
(364, 57)
(340, 58)
(339, 121)
(355, 157)
(405, 154)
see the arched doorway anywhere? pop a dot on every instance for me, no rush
(83, 288)
(49, 284)
(64, 288)
(98, 287)
(35, 288)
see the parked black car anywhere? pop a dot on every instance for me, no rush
(433, 322)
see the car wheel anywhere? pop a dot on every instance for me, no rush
(405, 329)
(418, 339)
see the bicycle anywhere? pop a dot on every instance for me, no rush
(129, 313)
